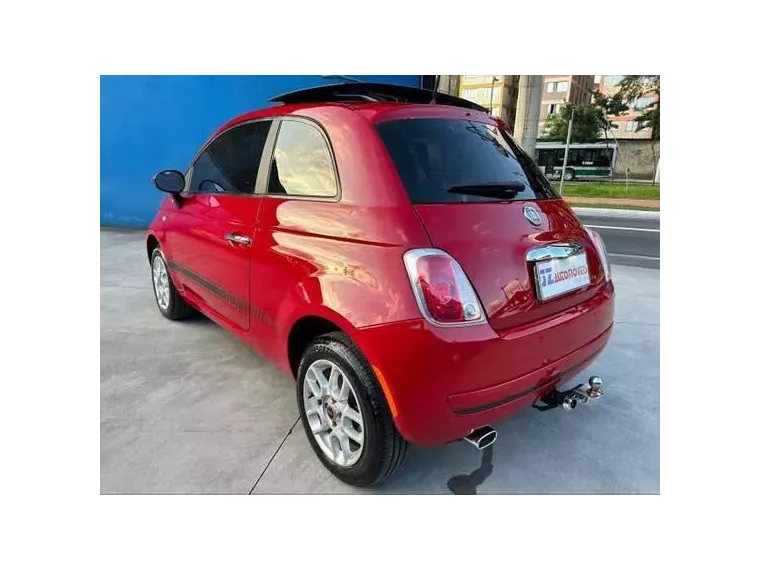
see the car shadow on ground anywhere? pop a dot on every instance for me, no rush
(467, 484)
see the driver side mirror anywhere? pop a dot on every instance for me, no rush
(171, 181)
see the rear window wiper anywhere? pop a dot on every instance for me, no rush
(496, 189)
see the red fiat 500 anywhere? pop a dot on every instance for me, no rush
(402, 258)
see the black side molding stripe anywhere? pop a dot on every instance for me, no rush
(213, 288)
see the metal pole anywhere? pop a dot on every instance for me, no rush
(528, 112)
(493, 81)
(567, 150)
(521, 109)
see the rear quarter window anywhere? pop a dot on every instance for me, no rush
(433, 156)
(302, 164)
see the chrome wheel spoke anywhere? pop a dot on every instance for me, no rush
(317, 420)
(312, 381)
(333, 389)
(344, 447)
(352, 424)
(345, 391)
(311, 406)
(353, 415)
(357, 436)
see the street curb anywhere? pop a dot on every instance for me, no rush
(617, 213)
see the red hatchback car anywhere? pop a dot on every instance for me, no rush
(398, 254)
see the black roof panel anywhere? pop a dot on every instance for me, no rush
(373, 93)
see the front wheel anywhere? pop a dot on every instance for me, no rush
(168, 300)
(344, 413)
(569, 174)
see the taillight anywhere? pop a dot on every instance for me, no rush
(443, 292)
(601, 250)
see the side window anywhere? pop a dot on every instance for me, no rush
(230, 163)
(301, 165)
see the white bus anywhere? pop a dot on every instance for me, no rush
(587, 160)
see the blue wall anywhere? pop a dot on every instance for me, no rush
(148, 123)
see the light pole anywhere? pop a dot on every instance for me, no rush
(567, 149)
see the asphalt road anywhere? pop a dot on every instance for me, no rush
(632, 238)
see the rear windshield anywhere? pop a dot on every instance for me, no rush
(448, 160)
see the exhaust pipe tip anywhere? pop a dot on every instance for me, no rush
(482, 437)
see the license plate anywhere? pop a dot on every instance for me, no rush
(555, 277)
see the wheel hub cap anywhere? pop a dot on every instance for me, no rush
(331, 411)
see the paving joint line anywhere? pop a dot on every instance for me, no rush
(284, 439)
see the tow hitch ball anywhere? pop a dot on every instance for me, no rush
(569, 399)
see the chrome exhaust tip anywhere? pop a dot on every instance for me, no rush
(482, 437)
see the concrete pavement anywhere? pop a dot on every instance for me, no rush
(186, 408)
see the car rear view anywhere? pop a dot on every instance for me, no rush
(515, 293)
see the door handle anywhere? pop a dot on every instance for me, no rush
(238, 239)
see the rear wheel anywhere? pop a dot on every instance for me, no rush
(169, 302)
(344, 413)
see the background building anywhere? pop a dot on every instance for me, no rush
(559, 90)
(498, 93)
(626, 124)
(637, 156)
(149, 123)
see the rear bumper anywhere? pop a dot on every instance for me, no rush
(444, 382)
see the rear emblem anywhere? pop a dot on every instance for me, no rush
(532, 215)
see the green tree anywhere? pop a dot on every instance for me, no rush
(587, 123)
(590, 120)
(634, 87)
(611, 106)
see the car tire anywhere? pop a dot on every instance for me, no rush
(569, 174)
(382, 450)
(168, 300)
